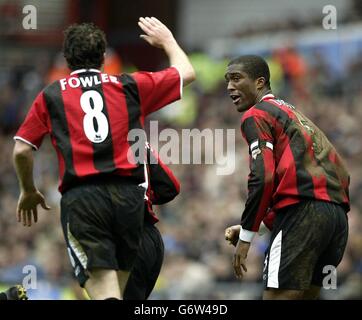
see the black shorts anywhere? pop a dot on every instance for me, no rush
(102, 225)
(147, 266)
(306, 238)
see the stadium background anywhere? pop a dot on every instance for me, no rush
(318, 70)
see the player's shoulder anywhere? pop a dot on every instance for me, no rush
(45, 91)
(260, 110)
(269, 105)
(52, 87)
(272, 107)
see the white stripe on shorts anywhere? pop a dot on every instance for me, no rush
(77, 249)
(274, 261)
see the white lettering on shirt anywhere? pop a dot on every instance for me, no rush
(86, 82)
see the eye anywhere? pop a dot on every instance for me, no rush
(233, 78)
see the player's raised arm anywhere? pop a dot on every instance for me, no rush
(158, 35)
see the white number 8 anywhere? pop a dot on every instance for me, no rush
(96, 136)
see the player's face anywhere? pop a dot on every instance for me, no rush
(241, 88)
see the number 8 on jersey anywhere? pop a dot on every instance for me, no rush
(92, 104)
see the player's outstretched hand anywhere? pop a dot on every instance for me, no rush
(156, 33)
(27, 207)
(232, 234)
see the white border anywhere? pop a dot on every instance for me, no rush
(84, 70)
(269, 145)
(254, 144)
(246, 235)
(26, 141)
(269, 95)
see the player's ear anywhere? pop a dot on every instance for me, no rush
(260, 83)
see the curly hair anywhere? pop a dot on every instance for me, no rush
(84, 46)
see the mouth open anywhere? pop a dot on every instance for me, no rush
(236, 98)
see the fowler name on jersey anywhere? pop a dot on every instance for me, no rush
(87, 81)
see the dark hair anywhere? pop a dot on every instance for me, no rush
(84, 46)
(254, 67)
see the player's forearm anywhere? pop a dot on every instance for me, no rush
(256, 207)
(260, 186)
(179, 59)
(255, 210)
(23, 163)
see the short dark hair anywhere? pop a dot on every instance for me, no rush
(254, 66)
(84, 46)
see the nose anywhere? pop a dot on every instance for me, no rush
(230, 86)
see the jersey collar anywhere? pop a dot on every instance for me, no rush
(267, 96)
(84, 70)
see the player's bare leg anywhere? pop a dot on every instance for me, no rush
(103, 284)
(123, 277)
(312, 293)
(280, 294)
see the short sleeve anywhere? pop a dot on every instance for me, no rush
(158, 89)
(35, 125)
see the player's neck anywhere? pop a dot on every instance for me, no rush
(262, 93)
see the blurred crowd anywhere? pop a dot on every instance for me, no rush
(197, 263)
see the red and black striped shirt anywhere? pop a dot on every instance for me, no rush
(290, 160)
(88, 116)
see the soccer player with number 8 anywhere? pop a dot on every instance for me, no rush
(88, 116)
